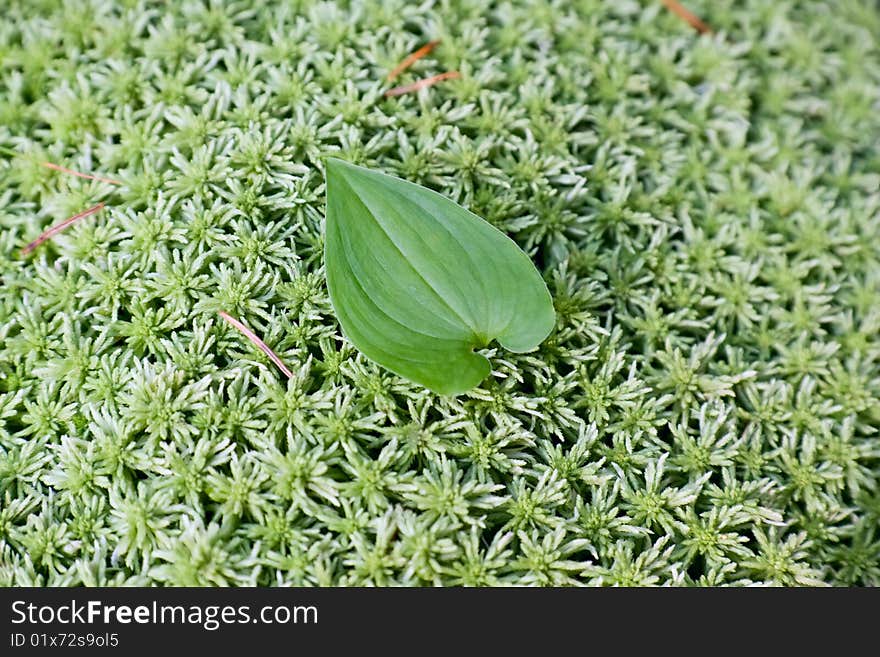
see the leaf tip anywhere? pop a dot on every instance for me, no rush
(337, 165)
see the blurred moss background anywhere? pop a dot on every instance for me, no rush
(705, 209)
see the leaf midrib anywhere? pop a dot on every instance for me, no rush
(476, 334)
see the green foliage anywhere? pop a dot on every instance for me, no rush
(704, 210)
(418, 282)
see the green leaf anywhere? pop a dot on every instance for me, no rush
(419, 282)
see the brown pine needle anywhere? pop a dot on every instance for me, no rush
(412, 58)
(250, 335)
(57, 228)
(677, 9)
(49, 165)
(421, 84)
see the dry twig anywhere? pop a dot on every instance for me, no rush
(411, 59)
(421, 84)
(262, 346)
(676, 8)
(57, 228)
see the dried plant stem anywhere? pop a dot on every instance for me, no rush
(56, 167)
(421, 84)
(49, 165)
(411, 59)
(262, 346)
(57, 228)
(676, 8)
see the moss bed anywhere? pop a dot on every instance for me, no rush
(704, 208)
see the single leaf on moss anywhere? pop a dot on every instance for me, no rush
(418, 282)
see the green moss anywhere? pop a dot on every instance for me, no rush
(705, 211)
